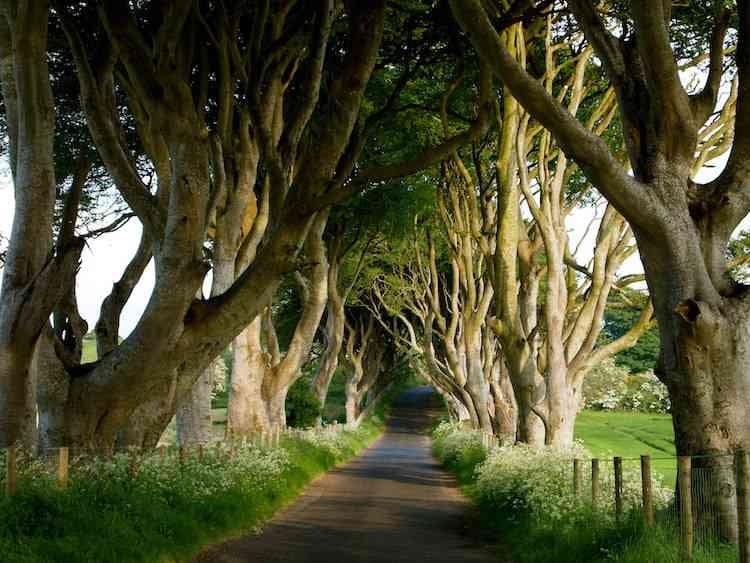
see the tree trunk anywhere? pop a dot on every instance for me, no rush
(246, 408)
(334, 341)
(505, 408)
(352, 402)
(52, 389)
(193, 418)
(562, 419)
(260, 379)
(476, 384)
(34, 279)
(530, 425)
(705, 364)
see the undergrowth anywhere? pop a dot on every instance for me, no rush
(525, 497)
(168, 510)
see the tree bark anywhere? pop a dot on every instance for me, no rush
(261, 377)
(682, 228)
(34, 278)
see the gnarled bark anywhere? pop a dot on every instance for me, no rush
(262, 375)
(682, 228)
(35, 277)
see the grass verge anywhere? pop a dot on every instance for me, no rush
(524, 498)
(168, 510)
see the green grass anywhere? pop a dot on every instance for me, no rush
(89, 348)
(110, 516)
(581, 535)
(630, 435)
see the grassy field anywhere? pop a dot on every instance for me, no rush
(630, 435)
(89, 348)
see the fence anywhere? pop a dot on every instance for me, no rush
(702, 500)
(708, 508)
(61, 461)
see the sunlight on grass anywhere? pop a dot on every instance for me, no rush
(630, 435)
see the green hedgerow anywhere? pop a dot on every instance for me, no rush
(161, 510)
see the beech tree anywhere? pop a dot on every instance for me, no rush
(36, 274)
(682, 227)
(335, 317)
(226, 106)
(549, 316)
(258, 389)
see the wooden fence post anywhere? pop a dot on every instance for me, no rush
(594, 482)
(618, 488)
(62, 467)
(200, 453)
(11, 471)
(648, 499)
(684, 482)
(133, 463)
(743, 504)
(577, 477)
(183, 454)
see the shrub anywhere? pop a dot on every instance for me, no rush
(538, 482)
(610, 387)
(457, 447)
(302, 407)
(526, 495)
(165, 510)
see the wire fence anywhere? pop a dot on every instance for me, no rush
(62, 462)
(701, 501)
(695, 499)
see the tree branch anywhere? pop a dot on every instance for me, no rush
(628, 195)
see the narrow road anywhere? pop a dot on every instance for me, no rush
(392, 503)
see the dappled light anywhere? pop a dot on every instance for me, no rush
(387, 280)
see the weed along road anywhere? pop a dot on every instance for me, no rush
(392, 503)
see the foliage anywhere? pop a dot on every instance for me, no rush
(525, 495)
(302, 407)
(169, 510)
(642, 356)
(738, 253)
(538, 482)
(610, 387)
(458, 447)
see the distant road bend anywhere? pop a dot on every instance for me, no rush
(392, 503)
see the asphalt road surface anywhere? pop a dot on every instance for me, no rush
(392, 503)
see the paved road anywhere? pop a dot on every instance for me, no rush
(392, 503)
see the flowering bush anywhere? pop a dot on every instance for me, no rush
(145, 507)
(525, 482)
(539, 482)
(610, 387)
(457, 445)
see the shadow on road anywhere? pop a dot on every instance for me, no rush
(392, 503)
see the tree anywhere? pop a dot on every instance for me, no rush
(257, 394)
(224, 103)
(682, 227)
(158, 86)
(335, 311)
(36, 274)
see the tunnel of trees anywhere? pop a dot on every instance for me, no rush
(336, 188)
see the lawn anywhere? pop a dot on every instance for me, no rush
(89, 348)
(630, 435)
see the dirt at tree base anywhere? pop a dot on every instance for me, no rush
(392, 503)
